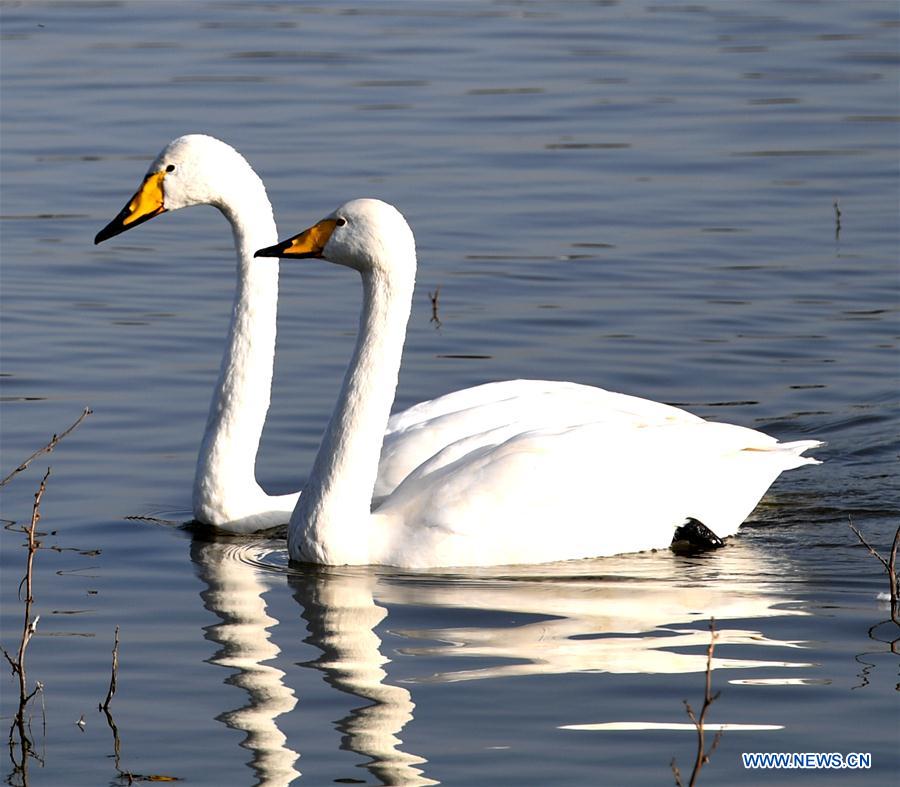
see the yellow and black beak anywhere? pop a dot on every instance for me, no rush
(147, 202)
(309, 243)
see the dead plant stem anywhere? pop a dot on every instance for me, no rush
(702, 756)
(890, 566)
(113, 678)
(47, 448)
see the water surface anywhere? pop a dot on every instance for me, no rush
(693, 203)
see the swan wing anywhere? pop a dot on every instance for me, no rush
(587, 490)
(484, 414)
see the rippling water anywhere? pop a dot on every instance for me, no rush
(694, 203)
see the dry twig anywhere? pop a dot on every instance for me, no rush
(125, 775)
(47, 448)
(890, 565)
(29, 626)
(709, 698)
(433, 296)
(21, 726)
(115, 673)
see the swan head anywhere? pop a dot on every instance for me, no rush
(367, 235)
(195, 169)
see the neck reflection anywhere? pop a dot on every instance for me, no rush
(341, 616)
(235, 594)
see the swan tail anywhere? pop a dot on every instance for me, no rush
(792, 453)
(742, 480)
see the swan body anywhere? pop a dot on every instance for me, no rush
(533, 478)
(196, 169)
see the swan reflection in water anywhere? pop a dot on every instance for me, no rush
(590, 611)
(618, 615)
(341, 615)
(235, 593)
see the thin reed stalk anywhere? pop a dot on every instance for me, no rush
(702, 756)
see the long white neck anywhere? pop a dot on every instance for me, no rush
(225, 487)
(331, 521)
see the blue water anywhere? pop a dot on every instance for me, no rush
(637, 195)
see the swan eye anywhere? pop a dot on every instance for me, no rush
(170, 168)
(340, 222)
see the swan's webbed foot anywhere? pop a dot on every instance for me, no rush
(693, 536)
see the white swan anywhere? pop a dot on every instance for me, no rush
(200, 170)
(597, 482)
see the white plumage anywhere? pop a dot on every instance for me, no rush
(200, 170)
(522, 471)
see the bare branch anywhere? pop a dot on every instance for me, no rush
(702, 756)
(890, 566)
(28, 628)
(868, 546)
(676, 773)
(12, 664)
(47, 448)
(433, 296)
(21, 746)
(115, 673)
(892, 574)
